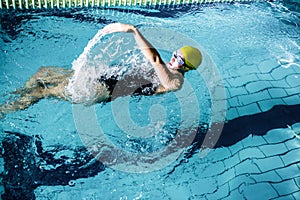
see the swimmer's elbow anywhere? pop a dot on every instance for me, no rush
(177, 85)
(173, 85)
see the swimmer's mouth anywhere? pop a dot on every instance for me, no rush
(170, 65)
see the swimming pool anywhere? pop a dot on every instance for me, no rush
(256, 51)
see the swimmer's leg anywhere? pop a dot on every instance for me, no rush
(47, 82)
(20, 104)
(49, 76)
(28, 96)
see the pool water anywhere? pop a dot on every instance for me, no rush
(255, 48)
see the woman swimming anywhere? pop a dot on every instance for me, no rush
(53, 81)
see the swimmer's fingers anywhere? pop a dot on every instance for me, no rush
(118, 27)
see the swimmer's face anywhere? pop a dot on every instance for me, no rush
(177, 60)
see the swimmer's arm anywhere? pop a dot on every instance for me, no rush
(146, 47)
(169, 81)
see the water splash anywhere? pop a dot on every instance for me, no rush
(105, 57)
(82, 86)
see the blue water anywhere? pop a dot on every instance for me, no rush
(237, 37)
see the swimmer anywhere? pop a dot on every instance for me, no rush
(51, 82)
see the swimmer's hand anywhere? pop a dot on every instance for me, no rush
(118, 27)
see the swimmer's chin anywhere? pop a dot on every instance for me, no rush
(169, 65)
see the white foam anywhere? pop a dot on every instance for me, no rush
(113, 56)
(81, 87)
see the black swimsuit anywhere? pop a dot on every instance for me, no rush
(127, 85)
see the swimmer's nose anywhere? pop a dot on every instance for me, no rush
(172, 60)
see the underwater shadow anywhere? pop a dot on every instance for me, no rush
(27, 163)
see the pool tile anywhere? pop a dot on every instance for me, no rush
(242, 80)
(270, 176)
(279, 84)
(238, 181)
(281, 72)
(222, 192)
(293, 80)
(236, 147)
(258, 191)
(291, 157)
(246, 167)
(286, 197)
(255, 97)
(266, 77)
(293, 144)
(251, 152)
(249, 109)
(266, 105)
(234, 195)
(269, 163)
(286, 187)
(237, 91)
(247, 69)
(278, 135)
(225, 177)
(232, 161)
(227, 93)
(296, 195)
(253, 141)
(289, 171)
(272, 150)
(297, 180)
(296, 127)
(292, 100)
(267, 65)
(292, 91)
(277, 92)
(219, 154)
(233, 102)
(257, 86)
(232, 113)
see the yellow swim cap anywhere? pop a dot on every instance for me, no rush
(192, 57)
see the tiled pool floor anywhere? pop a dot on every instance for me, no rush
(257, 167)
(259, 87)
(254, 159)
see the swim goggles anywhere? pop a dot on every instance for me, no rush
(178, 58)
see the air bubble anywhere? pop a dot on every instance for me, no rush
(71, 183)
